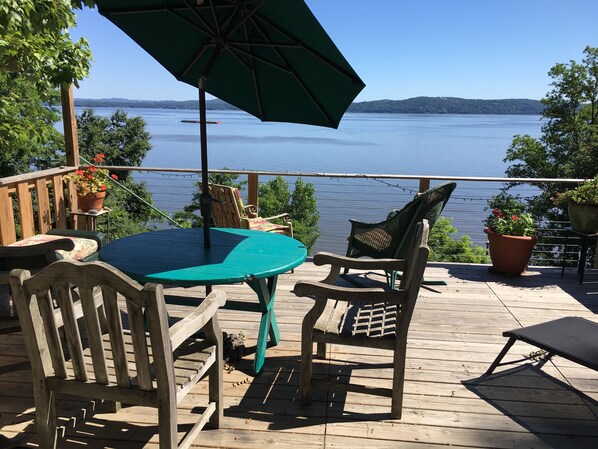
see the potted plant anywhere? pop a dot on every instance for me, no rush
(90, 183)
(582, 204)
(512, 235)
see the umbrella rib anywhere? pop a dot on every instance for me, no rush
(197, 57)
(215, 17)
(261, 59)
(351, 77)
(246, 17)
(307, 90)
(209, 31)
(256, 86)
(267, 44)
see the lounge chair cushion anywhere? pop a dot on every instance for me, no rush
(261, 224)
(240, 204)
(83, 249)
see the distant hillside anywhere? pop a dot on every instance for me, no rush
(417, 105)
(217, 105)
(449, 105)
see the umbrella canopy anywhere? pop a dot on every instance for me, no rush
(270, 58)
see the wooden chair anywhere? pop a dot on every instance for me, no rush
(103, 357)
(40, 250)
(369, 317)
(228, 211)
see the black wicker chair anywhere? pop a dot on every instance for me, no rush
(391, 238)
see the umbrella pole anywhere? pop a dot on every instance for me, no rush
(206, 199)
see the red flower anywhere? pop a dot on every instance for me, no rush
(103, 187)
(79, 172)
(496, 211)
(499, 214)
(93, 169)
(515, 217)
(113, 176)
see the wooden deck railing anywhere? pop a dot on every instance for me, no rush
(35, 202)
(42, 200)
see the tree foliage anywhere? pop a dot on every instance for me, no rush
(36, 55)
(443, 248)
(27, 134)
(568, 147)
(275, 198)
(124, 141)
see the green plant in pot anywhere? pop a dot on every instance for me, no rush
(512, 235)
(582, 204)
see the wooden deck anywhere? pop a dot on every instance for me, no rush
(454, 336)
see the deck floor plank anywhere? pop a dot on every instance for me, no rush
(456, 333)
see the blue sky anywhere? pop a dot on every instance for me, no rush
(400, 48)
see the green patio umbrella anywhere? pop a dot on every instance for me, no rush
(270, 58)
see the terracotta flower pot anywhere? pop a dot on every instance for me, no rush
(510, 254)
(90, 201)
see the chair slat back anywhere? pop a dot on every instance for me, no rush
(115, 329)
(142, 361)
(65, 299)
(413, 276)
(227, 211)
(94, 335)
(91, 322)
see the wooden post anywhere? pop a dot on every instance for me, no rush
(424, 184)
(252, 189)
(69, 121)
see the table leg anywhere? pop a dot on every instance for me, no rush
(265, 290)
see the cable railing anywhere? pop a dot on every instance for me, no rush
(369, 198)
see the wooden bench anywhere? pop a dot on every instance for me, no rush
(38, 231)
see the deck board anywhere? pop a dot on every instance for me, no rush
(456, 332)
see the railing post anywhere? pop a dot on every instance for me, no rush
(69, 121)
(424, 184)
(252, 183)
(7, 220)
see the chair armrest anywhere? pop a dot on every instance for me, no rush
(285, 217)
(93, 235)
(348, 294)
(250, 210)
(37, 249)
(324, 258)
(197, 319)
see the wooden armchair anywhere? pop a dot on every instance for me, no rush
(108, 359)
(369, 317)
(40, 250)
(228, 211)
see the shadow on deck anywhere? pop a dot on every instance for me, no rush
(455, 334)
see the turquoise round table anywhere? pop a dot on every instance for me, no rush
(177, 257)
